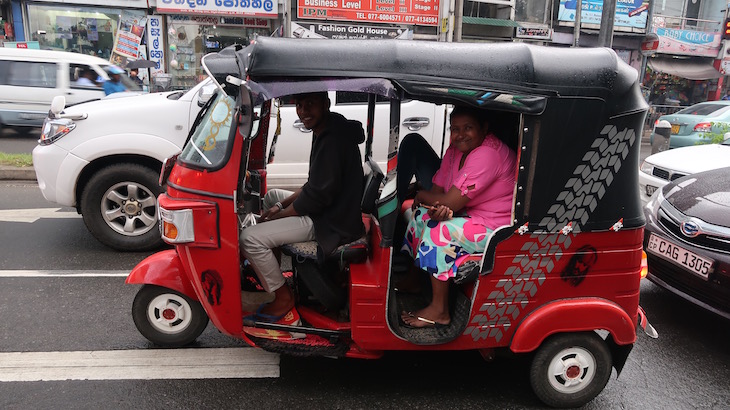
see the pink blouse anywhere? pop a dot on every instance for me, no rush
(487, 178)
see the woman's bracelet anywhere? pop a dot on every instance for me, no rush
(279, 205)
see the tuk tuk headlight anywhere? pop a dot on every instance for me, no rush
(177, 226)
(53, 129)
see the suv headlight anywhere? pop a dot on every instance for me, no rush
(53, 129)
(654, 203)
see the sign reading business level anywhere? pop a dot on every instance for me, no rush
(411, 12)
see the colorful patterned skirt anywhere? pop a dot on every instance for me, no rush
(437, 246)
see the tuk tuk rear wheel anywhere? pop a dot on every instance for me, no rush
(167, 318)
(569, 370)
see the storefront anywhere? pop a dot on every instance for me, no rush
(85, 29)
(190, 37)
(193, 29)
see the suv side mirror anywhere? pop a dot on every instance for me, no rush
(726, 136)
(57, 106)
(205, 93)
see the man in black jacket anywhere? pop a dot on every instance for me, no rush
(325, 209)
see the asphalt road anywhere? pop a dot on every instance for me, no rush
(687, 367)
(18, 140)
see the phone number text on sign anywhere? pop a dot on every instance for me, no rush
(414, 12)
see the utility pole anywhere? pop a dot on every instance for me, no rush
(605, 36)
(576, 26)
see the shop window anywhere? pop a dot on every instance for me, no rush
(85, 30)
(532, 11)
(29, 74)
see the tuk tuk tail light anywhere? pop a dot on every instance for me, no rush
(644, 265)
(177, 226)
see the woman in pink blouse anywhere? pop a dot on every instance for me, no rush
(470, 197)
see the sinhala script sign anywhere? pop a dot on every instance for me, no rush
(220, 7)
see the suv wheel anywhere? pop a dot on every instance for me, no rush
(119, 207)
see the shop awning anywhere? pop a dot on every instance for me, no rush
(487, 21)
(692, 69)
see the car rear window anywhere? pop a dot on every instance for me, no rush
(707, 109)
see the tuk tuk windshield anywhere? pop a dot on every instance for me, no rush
(207, 146)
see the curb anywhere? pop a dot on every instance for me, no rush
(8, 173)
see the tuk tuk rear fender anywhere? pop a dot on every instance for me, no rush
(574, 315)
(162, 269)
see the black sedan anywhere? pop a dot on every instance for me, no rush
(687, 239)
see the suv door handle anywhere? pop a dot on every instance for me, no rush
(415, 123)
(300, 126)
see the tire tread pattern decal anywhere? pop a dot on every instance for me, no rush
(544, 248)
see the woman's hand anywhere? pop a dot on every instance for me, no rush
(439, 212)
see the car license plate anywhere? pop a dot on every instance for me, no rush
(667, 250)
(650, 189)
(675, 128)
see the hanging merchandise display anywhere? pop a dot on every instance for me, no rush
(189, 38)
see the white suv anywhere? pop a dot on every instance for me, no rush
(104, 157)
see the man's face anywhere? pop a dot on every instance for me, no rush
(115, 77)
(311, 109)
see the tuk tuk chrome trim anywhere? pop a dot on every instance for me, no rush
(199, 192)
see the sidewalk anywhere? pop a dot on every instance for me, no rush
(8, 173)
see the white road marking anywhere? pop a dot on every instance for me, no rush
(63, 273)
(32, 215)
(152, 364)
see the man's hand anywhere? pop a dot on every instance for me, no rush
(272, 212)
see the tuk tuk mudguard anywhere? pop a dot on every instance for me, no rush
(162, 269)
(575, 315)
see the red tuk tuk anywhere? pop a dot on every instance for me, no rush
(560, 283)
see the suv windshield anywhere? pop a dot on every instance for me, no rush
(208, 145)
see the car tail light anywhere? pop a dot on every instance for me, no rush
(644, 265)
(703, 127)
(177, 226)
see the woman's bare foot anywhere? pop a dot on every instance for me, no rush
(426, 317)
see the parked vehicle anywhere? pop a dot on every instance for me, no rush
(30, 79)
(99, 151)
(663, 167)
(561, 282)
(691, 125)
(687, 239)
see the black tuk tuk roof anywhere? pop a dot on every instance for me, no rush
(516, 67)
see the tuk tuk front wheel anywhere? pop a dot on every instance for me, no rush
(569, 370)
(167, 318)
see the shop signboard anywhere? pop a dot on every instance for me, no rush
(525, 30)
(156, 45)
(262, 8)
(688, 42)
(22, 44)
(629, 13)
(409, 12)
(348, 31)
(239, 21)
(129, 37)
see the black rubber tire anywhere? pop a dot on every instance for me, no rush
(120, 177)
(167, 333)
(564, 349)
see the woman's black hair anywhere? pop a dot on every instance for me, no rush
(475, 113)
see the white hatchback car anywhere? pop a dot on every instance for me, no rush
(104, 157)
(659, 169)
